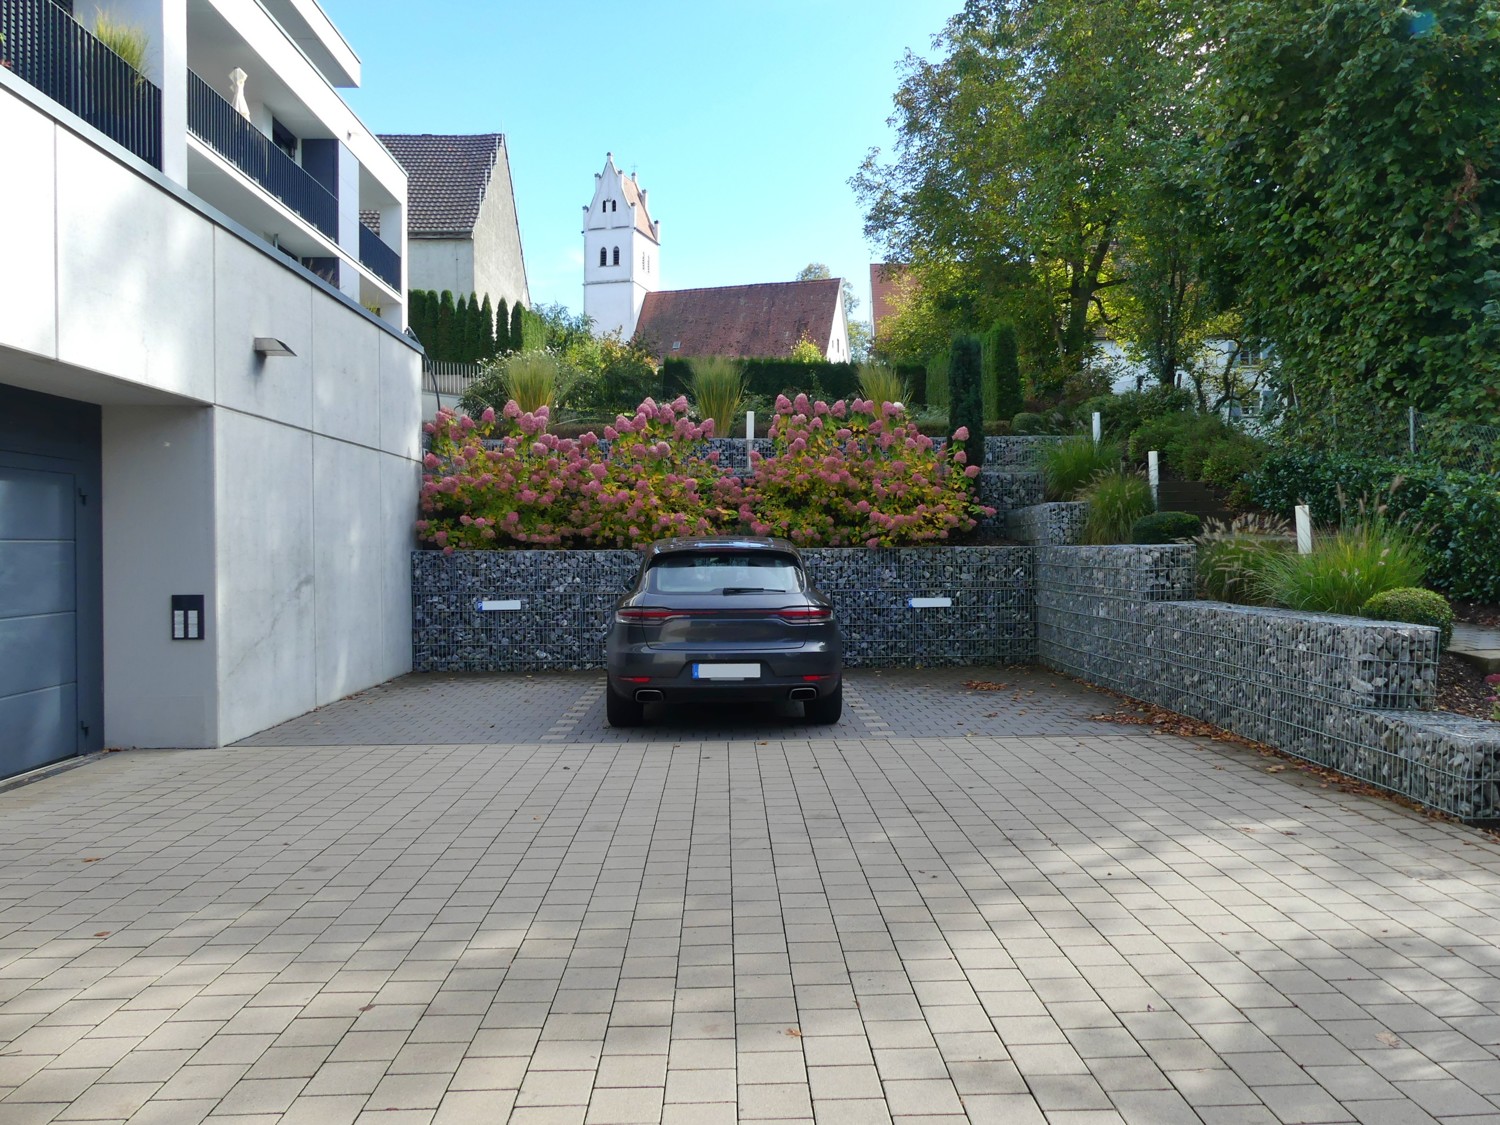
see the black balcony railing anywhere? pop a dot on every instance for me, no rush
(219, 125)
(45, 47)
(380, 258)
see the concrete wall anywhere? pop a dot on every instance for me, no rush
(281, 489)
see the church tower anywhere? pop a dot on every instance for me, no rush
(621, 252)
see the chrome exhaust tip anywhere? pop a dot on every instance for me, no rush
(804, 693)
(648, 695)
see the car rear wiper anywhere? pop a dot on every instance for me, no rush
(751, 590)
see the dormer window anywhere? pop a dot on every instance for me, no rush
(603, 257)
(617, 256)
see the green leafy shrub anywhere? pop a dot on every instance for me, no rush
(1068, 466)
(1120, 415)
(1345, 570)
(1232, 557)
(1414, 606)
(1116, 499)
(718, 391)
(1027, 422)
(767, 378)
(1200, 447)
(1457, 513)
(1166, 527)
(1002, 372)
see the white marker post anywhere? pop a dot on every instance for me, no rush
(1153, 471)
(1098, 428)
(1304, 530)
(749, 440)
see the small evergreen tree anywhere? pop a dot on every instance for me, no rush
(1002, 372)
(966, 394)
(462, 331)
(517, 322)
(503, 345)
(486, 337)
(416, 311)
(445, 331)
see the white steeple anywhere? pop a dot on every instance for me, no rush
(621, 252)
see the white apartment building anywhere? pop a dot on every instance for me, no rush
(209, 414)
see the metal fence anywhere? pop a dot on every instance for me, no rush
(45, 47)
(1380, 432)
(447, 377)
(379, 257)
(219, 125)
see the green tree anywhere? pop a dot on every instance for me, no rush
(1018, 153)
(502, 329)
(517, 323)
(966, 391)
(1002, 372)
(1358, 168)
(486, 337)
(463, 332)
(859, 331)
(445, 328)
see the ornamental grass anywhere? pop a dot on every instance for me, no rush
(718, 387)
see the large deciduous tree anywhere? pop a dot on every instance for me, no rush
(1358, 147)
(1020, 151)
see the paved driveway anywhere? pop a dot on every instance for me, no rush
(1099, 925)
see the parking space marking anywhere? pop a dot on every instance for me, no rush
(562, 730)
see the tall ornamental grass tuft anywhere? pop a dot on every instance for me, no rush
(880, 384)
(533, 380)
(718, 387)
(1232, 557)
(1346, 569)
(1116, 499)
(1069, 466)
(124, 40)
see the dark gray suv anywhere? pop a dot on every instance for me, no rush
(723, 619)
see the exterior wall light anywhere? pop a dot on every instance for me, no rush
(266, 346)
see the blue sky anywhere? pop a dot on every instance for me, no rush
(744, 120)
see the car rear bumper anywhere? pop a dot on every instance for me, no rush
(670, 673)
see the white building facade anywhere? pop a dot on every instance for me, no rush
(209, 415)
(621, 252)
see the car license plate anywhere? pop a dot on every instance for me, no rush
(726, 671)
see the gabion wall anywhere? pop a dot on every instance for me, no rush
(1336, 691)
(1047, 525)
(566, 598)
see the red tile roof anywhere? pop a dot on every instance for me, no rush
(763, 321)
(635, 199)
(446, 178)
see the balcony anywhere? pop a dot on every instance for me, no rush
(219, 126)
(379, 258)
(45, 47)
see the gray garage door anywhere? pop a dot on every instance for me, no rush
(39, 720)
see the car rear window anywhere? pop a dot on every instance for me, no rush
(721, 571)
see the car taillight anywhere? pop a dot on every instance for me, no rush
(636, 615)
(806, 615)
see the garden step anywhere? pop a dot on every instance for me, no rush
(1478, 645)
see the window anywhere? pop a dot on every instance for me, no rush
(617, 256)
(603, 257)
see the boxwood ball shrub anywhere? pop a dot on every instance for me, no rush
(854, 473)
(1414, 606)
(1166, 527)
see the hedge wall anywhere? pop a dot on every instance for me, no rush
(1457, 514)
(772, 377)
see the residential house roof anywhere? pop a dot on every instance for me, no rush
(765, 320)
(886, 281)
(446, 178)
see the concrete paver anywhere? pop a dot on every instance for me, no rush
(680, 925)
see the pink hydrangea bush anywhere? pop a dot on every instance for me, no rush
(854, 474)
(505, 482)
